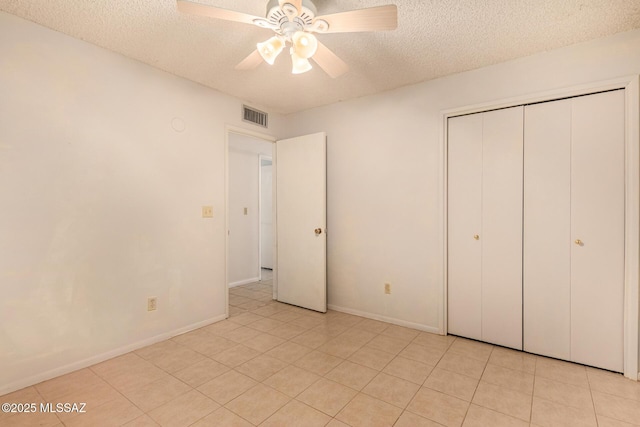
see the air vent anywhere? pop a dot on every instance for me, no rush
(254, 116)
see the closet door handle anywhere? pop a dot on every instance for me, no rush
(579, 242)
(476, 237)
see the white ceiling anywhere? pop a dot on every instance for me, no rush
(434, 38)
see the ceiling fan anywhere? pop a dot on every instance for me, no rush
(294, 22)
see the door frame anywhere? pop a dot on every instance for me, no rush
(229, 129)
(631, 86)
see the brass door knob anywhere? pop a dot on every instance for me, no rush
(318, 231)
(579, 242)
(476, 237)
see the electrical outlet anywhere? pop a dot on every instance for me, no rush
(387, 288)
(207, 212)
(152, 304)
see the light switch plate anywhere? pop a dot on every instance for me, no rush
(207, 212)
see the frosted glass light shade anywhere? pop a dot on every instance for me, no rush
(300, 64)
(270, 49)
(304, 44)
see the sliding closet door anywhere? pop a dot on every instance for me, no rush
(597, 230)
(502, 227)
(465, 223)
(547, 229)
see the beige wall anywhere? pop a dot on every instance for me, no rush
(100, 203)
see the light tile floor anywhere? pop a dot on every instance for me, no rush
(272, 364)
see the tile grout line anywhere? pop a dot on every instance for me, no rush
(477, 385)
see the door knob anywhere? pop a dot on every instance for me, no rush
(318, 231)
(476, 237)
(578, 242)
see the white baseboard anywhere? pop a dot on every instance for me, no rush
(81, 364)
(391, 320)
(244, 282)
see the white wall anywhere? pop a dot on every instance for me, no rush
(244, 186)
(100, 203)
(385, 187)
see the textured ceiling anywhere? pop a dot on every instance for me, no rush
(434, 38)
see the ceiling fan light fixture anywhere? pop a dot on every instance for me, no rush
(295, 24)
(300, 64)
(270, 49)
(305, 44)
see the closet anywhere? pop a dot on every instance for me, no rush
(536, 228)
(485, 226)
(574, 229)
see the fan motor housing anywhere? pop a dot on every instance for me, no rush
(277, 16)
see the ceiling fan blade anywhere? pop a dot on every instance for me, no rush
(216, 12)
(291, 8)
(250, 62)
(329, 62)
(296, 3)
(371, 19)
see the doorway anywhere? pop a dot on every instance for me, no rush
(298, 238)
(266, 217)
(249, 211)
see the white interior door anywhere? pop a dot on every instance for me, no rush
(465, 226)
(300, 174)
(502, 227)
(597, 229)
(547, 229)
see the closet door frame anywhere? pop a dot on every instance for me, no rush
(631, 86)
